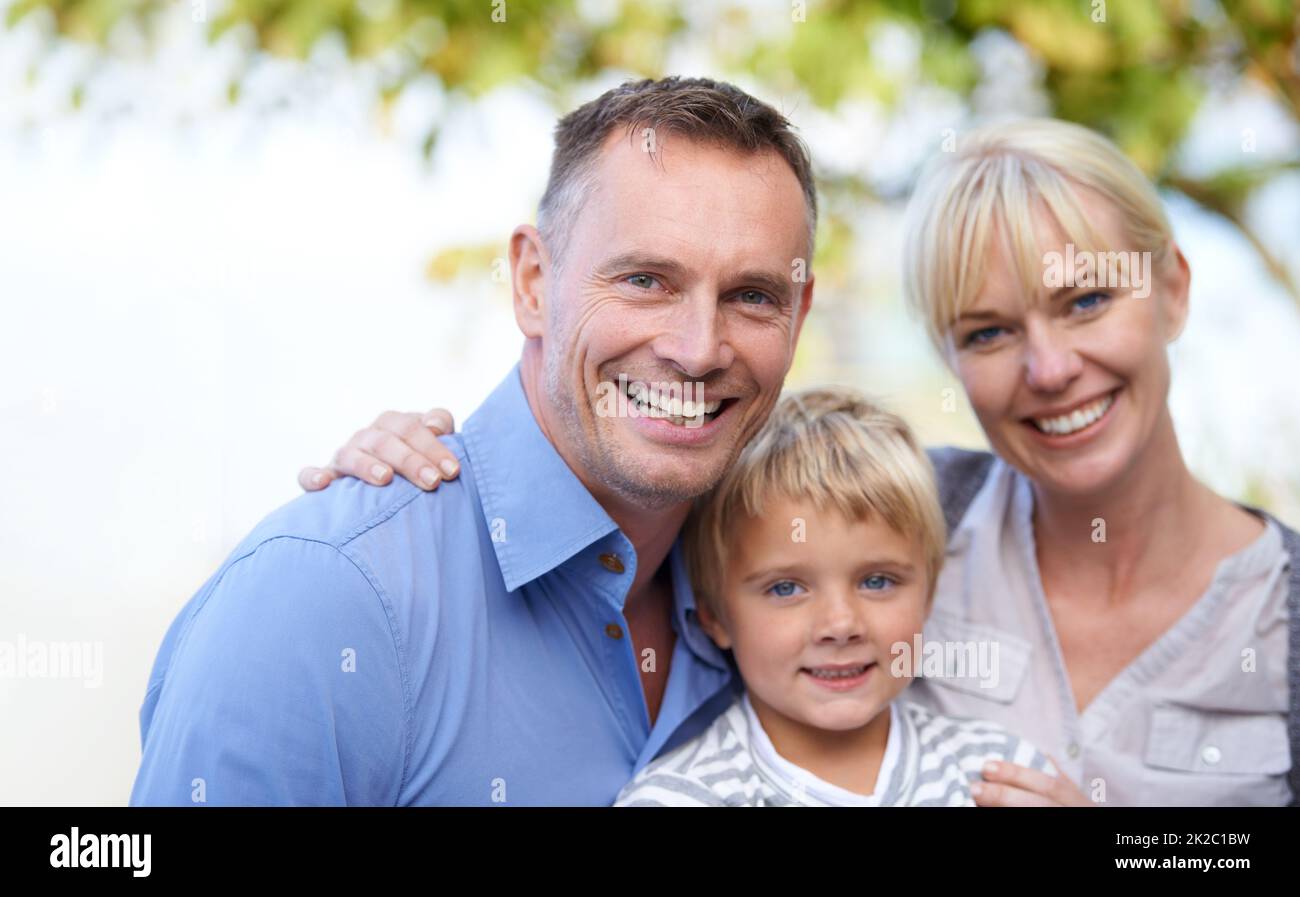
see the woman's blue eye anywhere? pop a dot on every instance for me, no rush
(1089, 301)
(877, 582)
(983, 335)
(784, 589)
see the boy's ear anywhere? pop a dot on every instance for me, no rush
(713, 627)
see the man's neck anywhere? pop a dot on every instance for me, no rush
(651, 531)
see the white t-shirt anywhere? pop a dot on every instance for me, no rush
(929, 760)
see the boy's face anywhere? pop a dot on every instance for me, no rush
(811, 623)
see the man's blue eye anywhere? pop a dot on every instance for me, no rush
(877, 582)
(754, 297)
(783, 589)
(644, 281)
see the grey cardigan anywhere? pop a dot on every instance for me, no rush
(961, 474)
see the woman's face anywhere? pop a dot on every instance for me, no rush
(1070, 385)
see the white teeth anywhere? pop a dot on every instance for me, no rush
(661, 403)
(838, 674)
(1066, 424)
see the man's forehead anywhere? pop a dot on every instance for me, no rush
(689, 194)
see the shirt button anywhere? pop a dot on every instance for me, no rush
(613, 630)
(611, 563)
(1211, 755)
(1073, 749)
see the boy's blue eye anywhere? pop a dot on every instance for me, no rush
(784, 589)
(877, 582)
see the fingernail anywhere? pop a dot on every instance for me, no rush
(976, 789)
(379, 471)
(430, 476)
(449, 468)
(991, 768)
(317, 479)
(435, 422)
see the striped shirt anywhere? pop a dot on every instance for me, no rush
(929, 760)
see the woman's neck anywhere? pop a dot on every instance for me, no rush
(1135, 533)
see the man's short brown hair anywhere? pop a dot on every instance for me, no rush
(695, 108)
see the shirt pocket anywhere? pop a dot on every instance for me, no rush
(995, 661)
(1190, 739)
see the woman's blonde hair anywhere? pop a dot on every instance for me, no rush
(995, 181)
(835, 448)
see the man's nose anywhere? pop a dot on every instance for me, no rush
(1051, 362)
(696, 338)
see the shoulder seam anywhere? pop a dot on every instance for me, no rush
(383, 602)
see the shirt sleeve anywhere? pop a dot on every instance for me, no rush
(1026, 753)
(284, 688)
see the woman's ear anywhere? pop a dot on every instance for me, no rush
(1176, 284)
(529, 269)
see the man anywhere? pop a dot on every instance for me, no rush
(526, 635)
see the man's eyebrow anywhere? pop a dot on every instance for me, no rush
(637, 261)
(770, 281)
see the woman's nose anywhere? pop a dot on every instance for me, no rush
(1050, 361)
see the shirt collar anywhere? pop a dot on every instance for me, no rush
(543, 513)
(537, 510)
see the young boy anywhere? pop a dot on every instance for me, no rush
(814, 561)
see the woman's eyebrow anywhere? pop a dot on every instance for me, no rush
(977, 316)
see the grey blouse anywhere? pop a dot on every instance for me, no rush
(1204, 716)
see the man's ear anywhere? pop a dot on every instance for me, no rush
(802, 308)
(713, 627)
(1177, 277)
(530, 267)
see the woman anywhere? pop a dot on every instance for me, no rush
(1139, 621)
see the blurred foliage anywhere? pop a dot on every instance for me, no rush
(1134, 69)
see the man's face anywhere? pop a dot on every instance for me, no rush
(680, 269)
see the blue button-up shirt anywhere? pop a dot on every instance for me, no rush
(390, 646)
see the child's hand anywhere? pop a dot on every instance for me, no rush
(1010, 785)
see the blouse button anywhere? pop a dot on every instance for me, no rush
(1211, 754)
(611, 563)
(1073, 749)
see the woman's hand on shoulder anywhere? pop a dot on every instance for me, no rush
(403, 442)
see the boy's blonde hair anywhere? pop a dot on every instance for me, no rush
(831, 446)
(995, 181)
